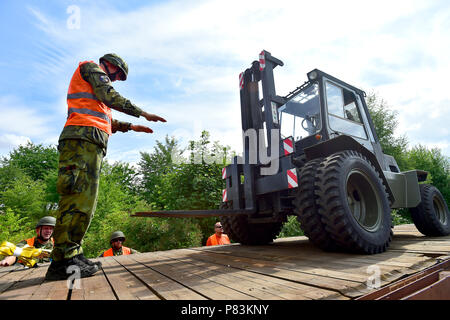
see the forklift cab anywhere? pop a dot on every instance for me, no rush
(300, 116)
(324, 108)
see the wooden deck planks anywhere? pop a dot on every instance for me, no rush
(312, 261)
(256, 285)
(269, 268)
(14, 275)
(51, 290)
(335, 269)
(290, 268)
(181, 273)
(23, 288)
(95, 287)
(5, 270)
(125, 285)
(166, 288)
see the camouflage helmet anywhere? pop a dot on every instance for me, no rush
(46, 221)
(118, 62)
(117, 234)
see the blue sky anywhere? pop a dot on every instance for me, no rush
(185, 58)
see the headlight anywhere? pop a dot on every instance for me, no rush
(312, 75)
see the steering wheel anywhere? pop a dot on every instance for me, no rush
(311, 119)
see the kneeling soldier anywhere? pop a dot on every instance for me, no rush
(117, 248)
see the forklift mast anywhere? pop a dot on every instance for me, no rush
(253, 109)
(261, 129)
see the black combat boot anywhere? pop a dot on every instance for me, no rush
(61, 270)
(89, 262)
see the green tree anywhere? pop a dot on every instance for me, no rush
(419, 157)
(51, 195)
(152, 234)
(14, 227)
(153, 166)
(39, 163)
(191, 182)
(385, 121)
(435, 163)
(35, 160)
(25, 197)
(291, 228)
(9, 174)
(116, 199)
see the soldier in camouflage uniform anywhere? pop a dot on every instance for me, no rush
(43, 239)
(116, 241)
(82, 146)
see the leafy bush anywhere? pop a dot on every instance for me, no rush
(14, 228)
(435, 163)
(291, 228)
(25, 196)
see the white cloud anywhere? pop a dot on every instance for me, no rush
(8, 141)
(19, 119)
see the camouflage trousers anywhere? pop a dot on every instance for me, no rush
(78, 180)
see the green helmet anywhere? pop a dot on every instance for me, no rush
(46, 221)
(118, 62)
(117, 234)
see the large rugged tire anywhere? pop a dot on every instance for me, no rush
(353, 203)
(306, 208)
(240, 230)
(431, 216)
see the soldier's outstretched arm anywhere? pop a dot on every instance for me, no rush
(152, 117)
(117, 125)
(8, 261)
(139, 128)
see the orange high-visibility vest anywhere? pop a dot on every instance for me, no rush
(84, 109)
(30, 241)
(214, 240)
(110, 253)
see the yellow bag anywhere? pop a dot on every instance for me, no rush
(27, 254)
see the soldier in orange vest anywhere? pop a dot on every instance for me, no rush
(218, 237)
(82, 146)
(117, 248)
(43, 239)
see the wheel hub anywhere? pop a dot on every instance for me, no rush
(439, 209)
(364, 201)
